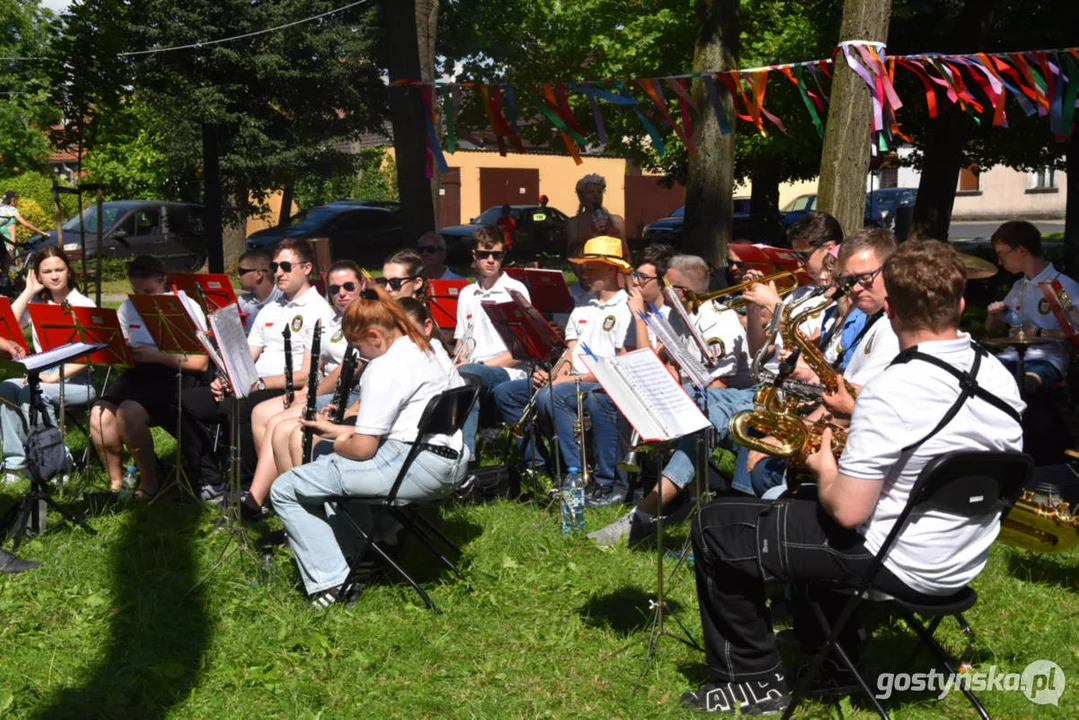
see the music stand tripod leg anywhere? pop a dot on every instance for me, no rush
(178, 475)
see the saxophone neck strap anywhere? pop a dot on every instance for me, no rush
(869, 322)
(968, 387)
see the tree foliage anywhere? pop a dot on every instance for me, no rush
(25, 110)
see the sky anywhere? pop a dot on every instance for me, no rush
(57, 6)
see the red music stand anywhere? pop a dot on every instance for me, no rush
(524, 331)
(169, 323)
(768, 260)
(212, 290)
(547, 288)
(9, 325)
(57, 325)
(444, 295)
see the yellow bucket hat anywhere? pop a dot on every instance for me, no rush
(604, 249)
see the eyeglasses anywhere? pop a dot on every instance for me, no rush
(484, 254)
(347, 287)
(864, 279)
(801, 256)
(240, 272)
(395, 283)
(735, 263)
(285, 265)
(1001, 254)
(642, 278)
(429, 249)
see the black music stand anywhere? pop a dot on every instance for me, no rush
(28, 516)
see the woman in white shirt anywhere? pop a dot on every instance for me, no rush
(402, 375)
(51, 280)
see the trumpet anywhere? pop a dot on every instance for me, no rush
(529, 412)
(629, 461)
(785, 282)
(581, 426)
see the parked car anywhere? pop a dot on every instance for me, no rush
(173, 232)
(539, 229)
(356, 230)
(669, 229)
(881, 206)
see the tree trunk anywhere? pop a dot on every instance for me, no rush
(1071, 220)
(710, 179)
(426, 37)
(764, 223)
(284, 213)
(845, 158)
(947, 134)
(401, 52)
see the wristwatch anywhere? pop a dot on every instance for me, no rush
(261, 384)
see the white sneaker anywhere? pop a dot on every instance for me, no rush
(14, 476)
(615, 533)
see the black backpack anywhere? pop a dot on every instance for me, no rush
(46, 454)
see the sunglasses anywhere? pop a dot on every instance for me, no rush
(642, 278)
(425, 249)
(240, 272)
(735, 264)
(864, 279)
(484, 254)
(395, 283)
(285, 265)
(800, 256)
(347, 287)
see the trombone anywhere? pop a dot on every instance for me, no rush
(785, 281)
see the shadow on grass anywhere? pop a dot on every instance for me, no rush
(157, 636)
(627, 610)
(1045, 569)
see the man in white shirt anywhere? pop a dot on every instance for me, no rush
(483, 358)
(742, 543)
(298, 308)
(432, 248)
(257, 282)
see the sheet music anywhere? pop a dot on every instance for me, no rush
(235, 354)
(57, 356)
(693, 368)
(650, 398)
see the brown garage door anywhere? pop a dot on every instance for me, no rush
(647, 200)
(508, 186)
(449, 198)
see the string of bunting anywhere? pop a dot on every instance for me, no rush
(1042, 82)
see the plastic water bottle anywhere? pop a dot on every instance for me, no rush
(131, 477)
(573, 503)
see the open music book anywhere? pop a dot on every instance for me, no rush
(650, 398)
(55, 357)
(235, 353)
(694, 369)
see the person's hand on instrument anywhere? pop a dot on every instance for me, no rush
(326, 429)
(841, 402)
(823, 462)
(539, 378)
(762, 294)
(219, 388)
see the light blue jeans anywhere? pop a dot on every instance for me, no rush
(723, 404)
(15, 411)
(322, 540)
(490, 377)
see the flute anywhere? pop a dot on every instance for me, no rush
(289, 392)
(312, 392)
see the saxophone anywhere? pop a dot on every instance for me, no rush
(1040, 522)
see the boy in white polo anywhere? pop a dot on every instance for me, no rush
(484, 358)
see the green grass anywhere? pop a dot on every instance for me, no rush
(110, 626)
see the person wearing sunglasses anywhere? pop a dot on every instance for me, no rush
(402, 275)
(403, 374)
(298, 308)
(432, 248)
(270, 424)
(257, 283)
(483, 358)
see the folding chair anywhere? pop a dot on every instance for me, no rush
(967, 484)
(445, 414)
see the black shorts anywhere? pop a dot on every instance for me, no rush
(154, 387)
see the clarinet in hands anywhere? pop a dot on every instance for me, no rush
(312, 392)
(344, 383)
(289, 392)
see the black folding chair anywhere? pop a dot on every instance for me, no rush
(967, 484)
(445, 414)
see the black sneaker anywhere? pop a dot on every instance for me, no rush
(251, 511)
(757, 697)
(605, 496)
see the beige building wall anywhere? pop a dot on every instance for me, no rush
(1003, 193)
(256, 223)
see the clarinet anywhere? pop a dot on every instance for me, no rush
(312, 391)
(344, 383)
(289, 392)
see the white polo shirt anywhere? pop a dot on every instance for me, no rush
(715, 321)
(74, 298)
(250, 306)
(332, 346)
(470, 314)
(936, 553)
(602, 325)
(1029, 301)
(134, 329)
(300, 315)
(395, 389)
(877, 349)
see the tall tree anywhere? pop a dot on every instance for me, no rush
(845, 158)
(25, 108)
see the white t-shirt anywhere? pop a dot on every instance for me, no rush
(715, 321)
(395, 389)
(470, 314)
(250, 306)
(1027, 298)
(300, 315)
(134, 328)
(332, 346)
(936, 553)
(74, 298)
(602, 326)
(876, 350)
(448, 274)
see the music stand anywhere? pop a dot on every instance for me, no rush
(9, 325)
(546, 288)
(27, 516)
(443, 296)
(213, 290)
(173, 331)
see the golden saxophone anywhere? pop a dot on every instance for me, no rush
(529, 412)
(1040, 522)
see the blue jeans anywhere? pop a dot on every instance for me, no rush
(319, 538)
(608, 444)
(1044, 369)
(490, 378)
(511, 398)
(767, 474)
(723, 404)
(15, 411)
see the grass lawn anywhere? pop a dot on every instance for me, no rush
(110, 626)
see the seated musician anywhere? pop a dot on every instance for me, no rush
(401, 378)
(729, 379)
(145, 396)
(432, 248)
(402, 275)
(298, 308)
(646, 291)
(740, 543)
(1018, 245)
(257, 283)
(344, 282)
(481, 355)
(51, 280)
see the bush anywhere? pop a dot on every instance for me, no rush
(38, 187)
(34, 214)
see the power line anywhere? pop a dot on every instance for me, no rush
(191, 46)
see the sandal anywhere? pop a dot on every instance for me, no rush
(144, 494)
